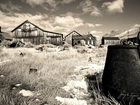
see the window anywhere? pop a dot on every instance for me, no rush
(88, 42)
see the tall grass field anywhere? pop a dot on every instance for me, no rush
(54, 67)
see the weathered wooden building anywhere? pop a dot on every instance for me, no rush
(90, 39)
(5, 36)
(110, 40)
(30, 32)
(75, 38)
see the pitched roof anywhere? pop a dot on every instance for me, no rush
(111, 38)
(88, 36)
(73, 32)
(6, 35)
(35, 26)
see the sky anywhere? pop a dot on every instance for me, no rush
(97, 17)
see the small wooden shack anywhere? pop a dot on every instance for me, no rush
(110, 40)
(75, 38)
(5, 36)
(90, 39)
(30, 32)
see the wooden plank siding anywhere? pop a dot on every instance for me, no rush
(29, 32)
(110, 40)
(75, 38)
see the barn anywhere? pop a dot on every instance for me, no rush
(5, 36)
(30, 32)
(110, 40)
(75, 38)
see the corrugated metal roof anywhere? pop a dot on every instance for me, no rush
(6, 35)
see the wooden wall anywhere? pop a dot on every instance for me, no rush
(30, 33)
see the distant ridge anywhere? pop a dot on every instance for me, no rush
(130, 33)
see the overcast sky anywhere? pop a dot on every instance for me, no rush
(95, 16)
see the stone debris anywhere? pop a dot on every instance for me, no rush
(26, 93)
(5, 61)
(70, 101)
(15, 86)
(93, 67)
(18, 84)
(1, 76)
(78, 88)
(76, 84)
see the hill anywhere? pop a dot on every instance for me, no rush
(130, 33)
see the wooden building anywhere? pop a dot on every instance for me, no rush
(78, 40)
(5, 36)
(110, 40)
(30, 32)
(90, 39)
(75, 38)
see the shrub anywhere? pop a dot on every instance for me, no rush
(81, 49)
(40, 47)
(5, 43)
(66, 46)
(16, 43)
(0, 49)
(29, 45)
(49, 45)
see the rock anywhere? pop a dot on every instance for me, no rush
(2, 76)
(71, 101)
(26, 93)
(18, 84)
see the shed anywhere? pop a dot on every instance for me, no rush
(110, 40)
(90, 39)
(75, 38)
(78, 40)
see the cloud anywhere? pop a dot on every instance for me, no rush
(90, 25)
(10, 21)
(61, 24)
(115, 6)
(96, 32)
(88, 7)
(9, 7)
(68, 21)
(47, 4)
(67, 1)
(98, 25)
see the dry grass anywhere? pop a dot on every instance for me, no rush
(53, 71)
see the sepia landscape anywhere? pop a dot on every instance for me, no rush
(69, 52)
